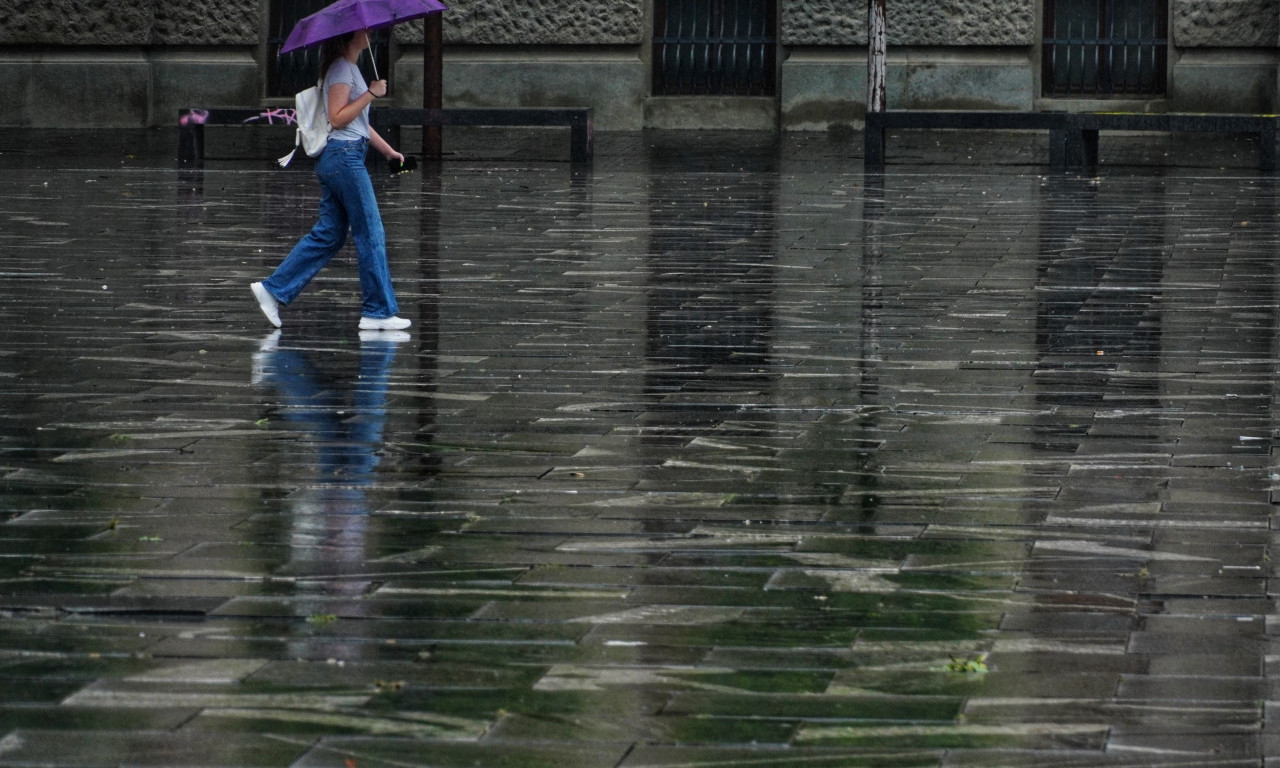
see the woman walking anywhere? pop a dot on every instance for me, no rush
(346, 200)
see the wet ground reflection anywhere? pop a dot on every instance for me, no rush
(719, 451)
(341, 414)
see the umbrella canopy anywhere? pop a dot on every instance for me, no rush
(354, 15)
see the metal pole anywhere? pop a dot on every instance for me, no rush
(432, 84)
(876, 55)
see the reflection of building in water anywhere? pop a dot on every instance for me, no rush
(339, 411)
(1098, 306)
(709, 317)
(1097, 346)
(711, 257)
(861, 501)
(1155, 326)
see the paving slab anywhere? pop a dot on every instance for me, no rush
(719, 451)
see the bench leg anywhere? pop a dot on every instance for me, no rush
(191, 145)
(873, 146)
(1074, 148)
(1060, 146)
(1090, 147)
(1267, 147)
(580, 140)
(432, 142)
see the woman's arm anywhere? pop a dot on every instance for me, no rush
(342, 111)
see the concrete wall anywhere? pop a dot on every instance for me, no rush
(124, 63)
(129, 22)
(530, 53)
(134, 62)
(943, 54)
(984, 55)
(1225, 23)
(911, 22)
(1226, 55)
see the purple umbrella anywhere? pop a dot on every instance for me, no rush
(354, 15)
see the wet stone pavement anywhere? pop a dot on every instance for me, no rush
(718, 453)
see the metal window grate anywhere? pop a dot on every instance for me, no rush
(297, 70)
(714, 47)
(1101, 48)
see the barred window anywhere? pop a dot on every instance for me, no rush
(714, 47)
(1100, 48)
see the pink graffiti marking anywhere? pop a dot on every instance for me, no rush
(272, 116)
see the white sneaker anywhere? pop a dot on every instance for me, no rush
(267, 303)
(384, 323)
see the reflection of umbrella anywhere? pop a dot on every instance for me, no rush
(354, 15)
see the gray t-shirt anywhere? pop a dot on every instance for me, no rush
(344, 72)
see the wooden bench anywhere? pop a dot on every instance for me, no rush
(191, 123)
(578, 120)
(1073, 137)
(879, 123)
(1089, 124)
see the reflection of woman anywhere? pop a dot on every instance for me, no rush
(347, 200)
(340, 413)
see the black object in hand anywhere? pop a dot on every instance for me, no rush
(410, 164)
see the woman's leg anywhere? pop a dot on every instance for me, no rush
(317, 247)
(378, 298)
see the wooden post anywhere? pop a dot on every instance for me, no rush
(876, 55)
(432, 84)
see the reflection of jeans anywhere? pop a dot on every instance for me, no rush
(346, 202)
(347, 438)
(343, 417)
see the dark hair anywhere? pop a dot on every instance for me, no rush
(333, 49)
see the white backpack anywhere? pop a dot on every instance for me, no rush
(312, 115)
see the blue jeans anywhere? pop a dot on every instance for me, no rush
(346, 202)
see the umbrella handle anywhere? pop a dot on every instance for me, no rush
(373, 60)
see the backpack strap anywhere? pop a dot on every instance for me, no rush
(284, 161)
(297, 134)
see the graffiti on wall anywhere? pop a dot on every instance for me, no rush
(280, 115)
(273, 116)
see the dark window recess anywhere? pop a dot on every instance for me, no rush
(714, 47)
(297, 70)
(1100, 48)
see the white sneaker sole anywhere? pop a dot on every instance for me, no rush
(384, 324)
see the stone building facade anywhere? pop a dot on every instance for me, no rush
(121, 63)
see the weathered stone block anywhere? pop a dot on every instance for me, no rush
(130, 22)
(201, 79)
(732, 113)
(207, 22)
(822, 91)
(76, 22)
(531, 22)
(1226, 23)
(1212, 83)
(817, 93)
(613, 88)
(76, 90)
(912, 22)
(979, 85)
